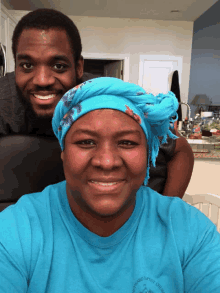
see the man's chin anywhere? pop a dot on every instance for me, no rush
(43, 113)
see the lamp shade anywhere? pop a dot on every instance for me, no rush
(201, 99)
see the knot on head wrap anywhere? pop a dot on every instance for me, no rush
(155, 114)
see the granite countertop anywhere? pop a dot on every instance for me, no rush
(206, 148)
(213, 155)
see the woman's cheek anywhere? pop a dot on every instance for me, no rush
(138, 160)
(76, 158)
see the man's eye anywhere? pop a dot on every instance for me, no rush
(59, 66)
(27, 66)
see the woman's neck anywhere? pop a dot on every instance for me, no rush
(103, 226)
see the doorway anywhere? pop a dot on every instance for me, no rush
(104, 67)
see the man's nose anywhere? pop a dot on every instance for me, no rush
(107, 158)
(43, 77)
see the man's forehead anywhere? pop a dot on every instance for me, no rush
(44, 36)
(36, 40)
(52, 35)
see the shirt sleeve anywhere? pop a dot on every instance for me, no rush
(200, 253)
(13, 267)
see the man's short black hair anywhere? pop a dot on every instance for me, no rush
(44, 19)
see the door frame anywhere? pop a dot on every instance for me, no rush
(144, 58)
(107, 56)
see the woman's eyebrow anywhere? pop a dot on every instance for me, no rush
(116, 134)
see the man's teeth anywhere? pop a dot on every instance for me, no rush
(45, 97)
(105, 184)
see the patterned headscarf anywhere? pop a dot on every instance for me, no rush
(155, 114)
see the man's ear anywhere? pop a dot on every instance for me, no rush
(80, 67)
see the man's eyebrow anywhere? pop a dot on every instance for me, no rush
(53, 58)
(23, 56)
(60, 57)
(117, 133)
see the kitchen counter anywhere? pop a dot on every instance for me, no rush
(206, 148)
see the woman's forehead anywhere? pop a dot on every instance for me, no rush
(109, 119)
(101, 116)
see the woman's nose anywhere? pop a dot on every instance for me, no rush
(43, 77)
(107, 158)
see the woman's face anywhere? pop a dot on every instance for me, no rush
(105, 160)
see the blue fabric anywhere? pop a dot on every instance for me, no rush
(154, 114)
(166, 246)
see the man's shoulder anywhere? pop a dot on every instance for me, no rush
(12, 111)
(7, 86)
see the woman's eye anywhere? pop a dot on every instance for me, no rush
(87, 142)
(127, 143)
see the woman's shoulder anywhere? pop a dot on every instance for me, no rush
(174, 209)
(34, 205)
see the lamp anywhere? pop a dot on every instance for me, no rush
(200, 100)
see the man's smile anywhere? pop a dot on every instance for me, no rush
(47, 97)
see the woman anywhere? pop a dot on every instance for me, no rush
(105, 152)
(101, 230)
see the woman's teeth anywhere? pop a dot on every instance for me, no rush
(45, 97)
(104, 184)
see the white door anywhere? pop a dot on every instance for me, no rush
(114, 69)
(156, 71)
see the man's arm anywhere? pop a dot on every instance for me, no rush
(179, 169)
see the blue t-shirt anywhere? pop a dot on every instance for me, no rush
(166, 246)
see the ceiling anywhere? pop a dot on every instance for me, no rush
(189, 10)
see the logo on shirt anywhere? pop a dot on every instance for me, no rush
(147, 285)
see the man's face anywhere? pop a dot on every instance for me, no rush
(45, 69)
(104, 163)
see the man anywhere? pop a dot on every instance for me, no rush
(47, 51)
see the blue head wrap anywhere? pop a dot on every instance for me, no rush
(155, 114)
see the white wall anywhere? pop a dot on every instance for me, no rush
(136, 37)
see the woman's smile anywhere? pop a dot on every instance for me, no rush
(111, 186)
